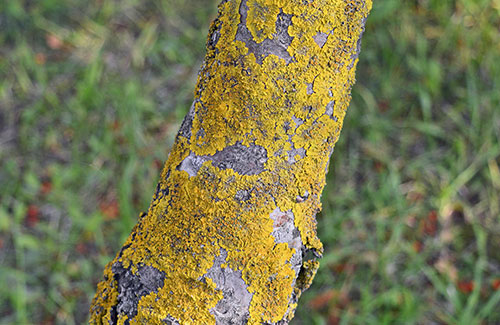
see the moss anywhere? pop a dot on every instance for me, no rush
(239, 100)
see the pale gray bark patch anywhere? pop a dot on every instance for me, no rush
(330, 155)
(355, 54)
(187, 123)
(310, 86)
(169, 320)
(214, 37)
(277, 45)
(242, 195)
(329, 109)
(233, 307)
(200, 134)
(293, 152)
(132, 287)
(284, 231)
(192, 164)
(301, 198)
(298, 121)
(320, 39)
(310, 89)
(301, 152)
(160, 192)
(242, 159)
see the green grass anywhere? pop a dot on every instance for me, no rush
(92, 94)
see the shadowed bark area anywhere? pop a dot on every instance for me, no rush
(230, 236)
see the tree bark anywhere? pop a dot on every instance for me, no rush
(230, 235)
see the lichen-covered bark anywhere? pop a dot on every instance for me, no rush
(230, 236)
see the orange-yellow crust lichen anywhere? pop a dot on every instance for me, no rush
(274, 104)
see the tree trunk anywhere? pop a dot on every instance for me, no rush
(230, 236)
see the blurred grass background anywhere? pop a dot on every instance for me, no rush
(92, 94)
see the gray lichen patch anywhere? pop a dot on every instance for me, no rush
(277, 45)
(132, 287)
(233, 307)
(284, 231)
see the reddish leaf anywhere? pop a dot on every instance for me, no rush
(333, 318)
(53, 41)
(40, 58)
(115, 126)
(346, 267)
(383, 105)
(158, 164)
(32, 215)
(46, 187)
(432, 216)
(465, 286)
(339, 268)
(322, 300)
(48, 320)
(81, 248)
(429, 225)
(110, 209)
(414, 196)
(378, 166)
(417, 246)
(496, 284)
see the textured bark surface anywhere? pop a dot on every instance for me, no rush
(230, 236)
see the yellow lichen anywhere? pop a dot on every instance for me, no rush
(262, 16)
(266, 103)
